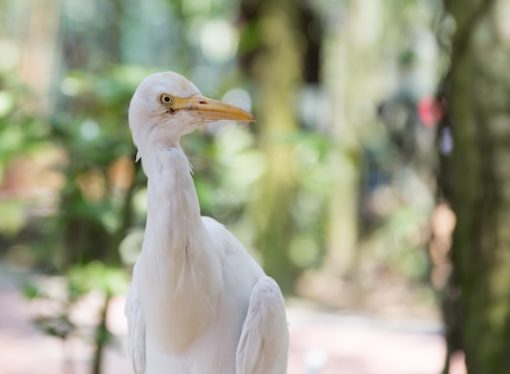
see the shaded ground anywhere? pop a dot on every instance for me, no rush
(321, 343)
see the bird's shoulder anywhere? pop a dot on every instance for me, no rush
(227, 244)
(212, 225)
(219, 234)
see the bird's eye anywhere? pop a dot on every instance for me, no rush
(166, 99)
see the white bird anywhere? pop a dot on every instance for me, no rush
(199, 303)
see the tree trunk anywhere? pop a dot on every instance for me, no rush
(342, 230)
(475, 178)
(277, 69)
(351, 66)
(102, 336)
(38, 51)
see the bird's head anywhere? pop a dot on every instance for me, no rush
(166, 106)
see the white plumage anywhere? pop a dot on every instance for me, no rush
(199, 303)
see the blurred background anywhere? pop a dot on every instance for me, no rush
(374, 187)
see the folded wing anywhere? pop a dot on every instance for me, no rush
(264, 341)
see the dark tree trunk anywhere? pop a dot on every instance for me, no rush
(475, 179)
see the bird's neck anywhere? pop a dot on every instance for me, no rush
(177, 264)
(172, 200)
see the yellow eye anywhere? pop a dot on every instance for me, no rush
(166, 99)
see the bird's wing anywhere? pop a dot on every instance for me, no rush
(263, 345)
(136, 327)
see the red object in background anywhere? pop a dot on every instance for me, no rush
(430, 111)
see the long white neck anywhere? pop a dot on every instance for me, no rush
(173, 215)
(179, 279)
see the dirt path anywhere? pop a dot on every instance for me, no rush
(321, 343)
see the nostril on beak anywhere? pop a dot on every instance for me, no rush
(202, 102)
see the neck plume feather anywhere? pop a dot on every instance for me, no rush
(180, 279)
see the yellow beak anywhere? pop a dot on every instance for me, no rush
(210, 109)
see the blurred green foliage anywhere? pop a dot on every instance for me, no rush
(354, 130)
(103, 52)
(91, 206)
